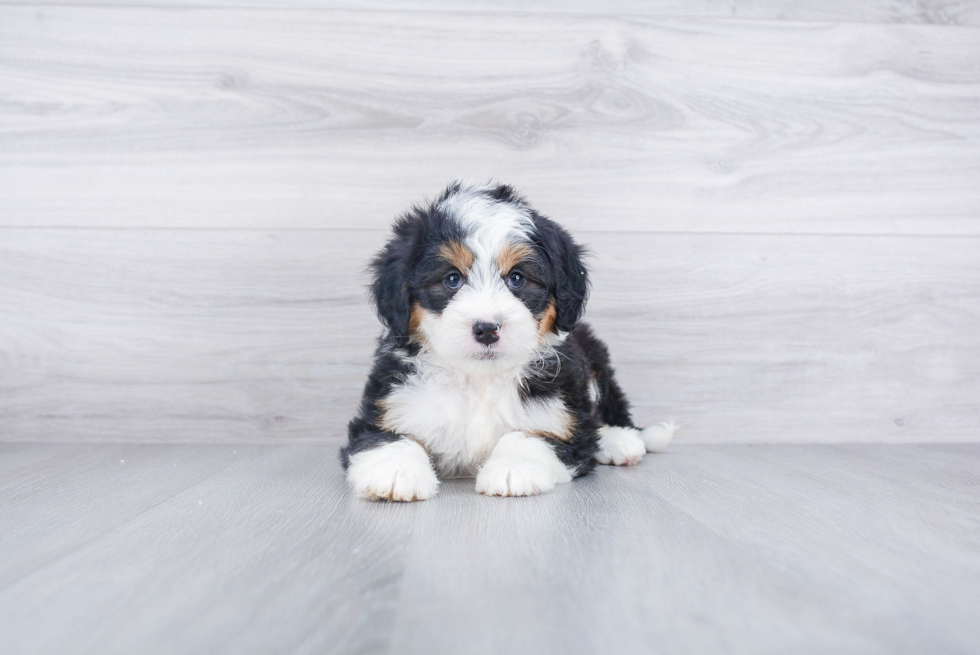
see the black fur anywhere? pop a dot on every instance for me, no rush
(567, 375)
(363, 432)
(570, 280)
(407, 271)
(407, 266)
(614, 408)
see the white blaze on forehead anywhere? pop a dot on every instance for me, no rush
(489, 224)
(490, 228)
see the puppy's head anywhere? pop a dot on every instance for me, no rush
(479, 278)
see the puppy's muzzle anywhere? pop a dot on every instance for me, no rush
(486, 333)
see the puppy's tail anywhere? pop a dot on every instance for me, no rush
(656, 437)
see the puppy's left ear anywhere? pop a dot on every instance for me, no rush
(570, 277)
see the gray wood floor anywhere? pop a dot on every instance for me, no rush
(259, 549)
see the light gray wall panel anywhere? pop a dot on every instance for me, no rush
(218, 336)
(940, 12)
(152, 117)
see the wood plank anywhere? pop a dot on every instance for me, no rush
(696, 551)
(797, 339)
(23, 458)
(152, 117)
(261, 555)
(936, 12)
(226, 336)
(869, 548)
(722, 549)
(69, 489)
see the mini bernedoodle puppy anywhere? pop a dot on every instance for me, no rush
(483, 368)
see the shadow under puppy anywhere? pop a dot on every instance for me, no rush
(483, 368)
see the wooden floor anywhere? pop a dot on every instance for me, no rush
(259, 549)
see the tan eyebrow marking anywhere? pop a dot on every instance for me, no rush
(457, 254)
(512, 254)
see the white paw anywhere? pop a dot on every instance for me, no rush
(620, 446)
(399, 470)
(521, 466)
(656, 437)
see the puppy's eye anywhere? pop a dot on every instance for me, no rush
(454, 280)
(515, 280)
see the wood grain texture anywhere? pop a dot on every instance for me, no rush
(154, 117)
(234, 554)
(68, 486)
(723, 549)
(224, 336)
(938, 12)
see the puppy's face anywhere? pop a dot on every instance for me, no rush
(484, 297)
(479, 279)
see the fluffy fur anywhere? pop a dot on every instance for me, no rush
(483, 369)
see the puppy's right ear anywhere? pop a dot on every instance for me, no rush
(389, 286)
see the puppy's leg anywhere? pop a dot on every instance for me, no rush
(521, 465)
(625, 446)
(396, 470)
(620, 446)
(613, 409)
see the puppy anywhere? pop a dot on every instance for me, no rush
(483, 368)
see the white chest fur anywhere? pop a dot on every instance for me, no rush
(459, 419)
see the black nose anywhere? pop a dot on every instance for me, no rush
(486, 333)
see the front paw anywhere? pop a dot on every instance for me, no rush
(399, 470)
(521, 466)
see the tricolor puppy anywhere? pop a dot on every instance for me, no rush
(483, 369)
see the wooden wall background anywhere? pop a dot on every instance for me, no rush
(782, 199)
